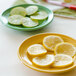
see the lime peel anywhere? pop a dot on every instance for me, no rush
(15, 19)
(18, 11)
(28, 22)
(31, 10)
(41, 15)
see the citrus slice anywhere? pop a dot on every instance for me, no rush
(31, 10)
(65, 48)
(36, 49)
(74, 59)
(75, 50)
(44, 61)
(15, 19)
(18, 11)
(50, 42)
(41, 15)
(62, 60)
(28, 22)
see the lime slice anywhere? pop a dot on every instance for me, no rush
(18, 11)
(28, 22)
(41, 15)
(36, 50)
(15, 19)
(31, 10)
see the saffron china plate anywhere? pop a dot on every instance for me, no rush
(22, 54)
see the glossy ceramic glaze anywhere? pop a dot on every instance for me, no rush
(26, 59)
(42, 23)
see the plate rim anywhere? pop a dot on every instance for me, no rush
(37, 69)
(27, 29)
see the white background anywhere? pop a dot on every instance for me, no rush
(11, 39)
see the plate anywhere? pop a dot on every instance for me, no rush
(43, 23)
(26, 59)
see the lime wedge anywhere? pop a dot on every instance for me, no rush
(28, 22)
(41, 15)
(31, 10)
(15, 19)
(18, 11)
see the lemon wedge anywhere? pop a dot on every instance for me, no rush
(62, 60)
(36, 50)
(18, 11)
(41, 15)
(28, 22)
(15, 19)
(44, 61)
(65, 48)
(31, 10)
(50, 42)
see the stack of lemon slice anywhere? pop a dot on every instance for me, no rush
(63, 52)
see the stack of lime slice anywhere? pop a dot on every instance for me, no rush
(27, 17)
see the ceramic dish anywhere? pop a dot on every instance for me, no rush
(5, 14)
(22, 54)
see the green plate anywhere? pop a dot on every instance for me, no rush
(5, 15)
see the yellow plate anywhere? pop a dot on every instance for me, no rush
(26, 59)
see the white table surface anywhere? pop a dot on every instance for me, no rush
(11, 39)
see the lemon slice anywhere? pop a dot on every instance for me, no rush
(75, 50)
(15, 19)
(41, 15)
(50, 42)
(74, 59)
(18, 11)
(62, 60)
(44, 61)
(28, 22)
(65, 48)
(36, 49)
(31, 10)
